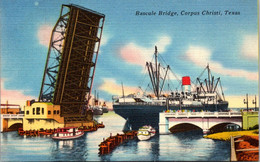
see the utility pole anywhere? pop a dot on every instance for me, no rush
(254, 102)
(246, 102)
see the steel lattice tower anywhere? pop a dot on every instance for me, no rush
(71, 61)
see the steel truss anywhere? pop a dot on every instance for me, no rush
(71, 61)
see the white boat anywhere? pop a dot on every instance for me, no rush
(145, 132)
(104, 107)
(67, 133)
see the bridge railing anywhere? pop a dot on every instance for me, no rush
(14, 116)
(202, 114)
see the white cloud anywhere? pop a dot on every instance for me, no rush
(105, 38)
(134, 54)
(200, 56)
(44, 34)
(13, 96)
(36, 3)
(138, 55)
(112, 87)
(162, 43)
(250, 47)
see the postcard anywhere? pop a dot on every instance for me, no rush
(113, 80)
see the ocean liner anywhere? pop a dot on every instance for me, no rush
(141, 109)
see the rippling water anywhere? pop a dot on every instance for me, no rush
(174, 147)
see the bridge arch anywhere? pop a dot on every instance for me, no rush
(14, 121)
(15, 126)
(181, 127)
(225, 126)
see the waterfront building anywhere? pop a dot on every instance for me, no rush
(42, 115)
(45, 115)
(10, 108)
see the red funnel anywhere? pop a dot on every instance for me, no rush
(186, 80)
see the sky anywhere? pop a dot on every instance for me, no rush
(227, 42)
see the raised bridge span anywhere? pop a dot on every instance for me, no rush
(203, 120)
(71, 61)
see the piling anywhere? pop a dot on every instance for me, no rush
(112, 142)
(46, 132)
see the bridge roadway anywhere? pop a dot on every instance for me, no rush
(203, 120)
(12, 116)
(8, 120)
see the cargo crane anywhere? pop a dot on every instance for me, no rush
(209, 86)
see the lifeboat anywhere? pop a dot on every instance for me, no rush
(67, 133)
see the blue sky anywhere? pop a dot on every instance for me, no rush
(229, 43)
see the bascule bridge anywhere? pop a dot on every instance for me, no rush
(69, 71)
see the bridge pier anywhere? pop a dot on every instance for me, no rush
(206, 131)
(163, 124)
(4, 125)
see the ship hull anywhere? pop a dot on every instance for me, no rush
(139, 115)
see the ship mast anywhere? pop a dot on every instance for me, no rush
(157, 70)
(154, 73)
(123, 91)
(210, 83)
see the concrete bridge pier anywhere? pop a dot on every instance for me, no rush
(163, 124)
(206, 131)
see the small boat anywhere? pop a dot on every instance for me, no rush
(97, 110)
(67, 133)
(104, 109)
(145, 132)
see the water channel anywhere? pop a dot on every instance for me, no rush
(183, 146)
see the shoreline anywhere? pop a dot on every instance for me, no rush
(225, 136)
